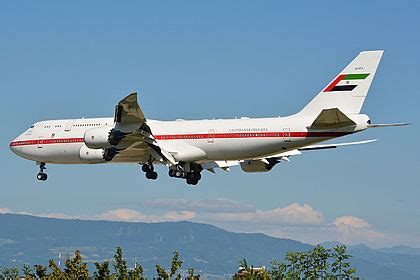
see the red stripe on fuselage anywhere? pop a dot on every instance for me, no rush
(251, 135)
(47, 141)
(194, 136)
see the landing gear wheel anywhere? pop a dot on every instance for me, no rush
(192, 181)
(171, 173)
(152, 175)
(146, 168)
(42, 176)
(194, 176)
(179, 173)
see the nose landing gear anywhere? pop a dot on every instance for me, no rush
(41, 176)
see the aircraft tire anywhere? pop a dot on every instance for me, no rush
(178, 174)
(152, 175)
(42, 176)
(145, 168)
(171, 173)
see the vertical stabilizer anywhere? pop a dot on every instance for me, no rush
(348, 90)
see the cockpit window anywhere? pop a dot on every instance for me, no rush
(32, 126)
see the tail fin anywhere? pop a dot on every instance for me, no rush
(348, 90)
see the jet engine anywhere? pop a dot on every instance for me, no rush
(258, 165)
(102, 137)
(88, 155)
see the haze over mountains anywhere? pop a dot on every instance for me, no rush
(211, 250)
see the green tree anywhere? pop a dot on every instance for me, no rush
(136, 273)
(55, 270)
(278, 270)
(9, 273)
(294, 266)
(76, 268)
(318, 260)
(341, 266)
(191, 275)
(161, 273)
(28, 272)
(120, 265)
(305, 264)
(103, 271)
(40, 271)
(176, 264)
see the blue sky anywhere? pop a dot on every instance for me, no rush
(196, 59)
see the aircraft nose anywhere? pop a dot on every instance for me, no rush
(14, 146)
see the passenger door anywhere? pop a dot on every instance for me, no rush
(210, 136)
(69, 125)
(40, 142)
(286, 135)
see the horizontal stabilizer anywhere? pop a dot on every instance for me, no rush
(331, 119)
(387, 125)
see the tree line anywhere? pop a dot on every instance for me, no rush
(317, 263)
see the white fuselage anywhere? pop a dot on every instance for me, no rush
(61, 141)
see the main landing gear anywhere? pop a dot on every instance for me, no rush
(41, 176)
(190, 173)
(150, 171)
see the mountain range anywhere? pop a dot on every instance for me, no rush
(214, 252)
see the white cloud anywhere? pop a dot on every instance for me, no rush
(130, 215)
(119, 214)
(293, 214)
(224, 209)
(5, 210)
(220, 204)
(356, 230)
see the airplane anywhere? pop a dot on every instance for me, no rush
(187, 147)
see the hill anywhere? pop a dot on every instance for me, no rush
(211, 250)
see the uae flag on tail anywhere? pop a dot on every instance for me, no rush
(345, 82)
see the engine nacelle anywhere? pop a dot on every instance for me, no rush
(98, 138)
(257, 166)
(88, 155)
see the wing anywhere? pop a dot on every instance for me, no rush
(333, 146)
(128, 113)
(135, 138)
(298, 151)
